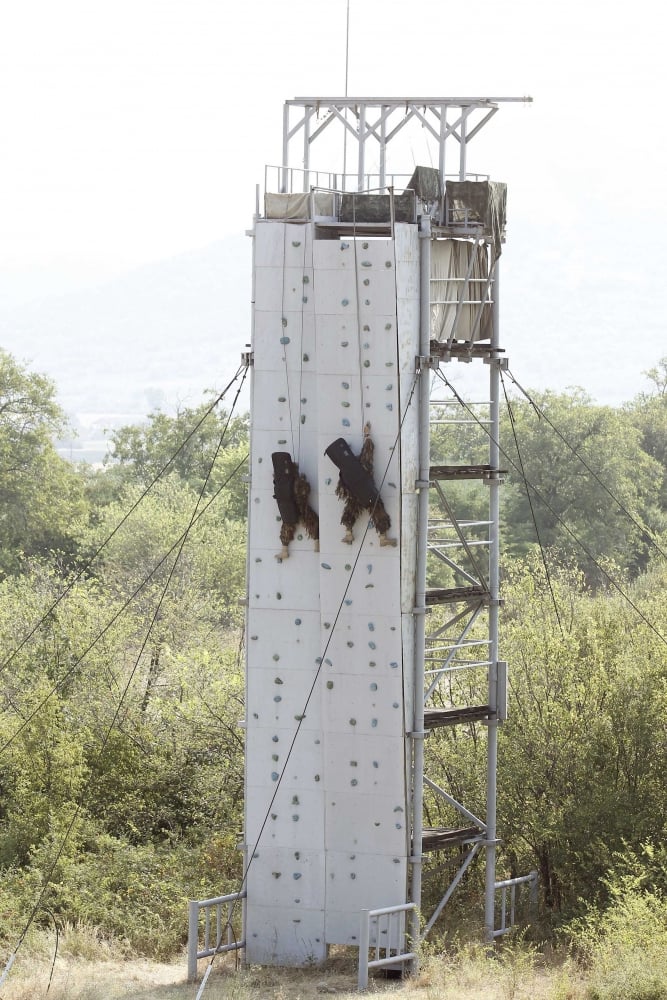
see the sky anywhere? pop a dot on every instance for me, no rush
(136, 130)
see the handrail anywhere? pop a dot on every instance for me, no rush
(393, 935)
(511, 883)
(215, 904)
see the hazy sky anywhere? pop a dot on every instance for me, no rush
(136, 129)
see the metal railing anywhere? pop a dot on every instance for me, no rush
(512, 884)
(214, 929)
(392, 929)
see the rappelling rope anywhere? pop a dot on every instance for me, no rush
(543, 416)
(68, 673)
(560, 520)
(84, 569)
(320, 663)
(82, 796)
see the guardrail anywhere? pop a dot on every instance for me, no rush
(394, 933)
(512, 884)
(212, 907)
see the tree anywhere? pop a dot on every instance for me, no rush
(41, 495)
(574, 486)
(209, 455)
(648, 414)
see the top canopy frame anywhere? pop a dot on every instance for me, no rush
(382, 118)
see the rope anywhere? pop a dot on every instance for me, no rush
(320, 664)
(560, 520)
(130, 599)
(112, 724)
(530, 504)
(84, 569)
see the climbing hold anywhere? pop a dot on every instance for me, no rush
(330, 685)
(274, 775)
(374, 723)
(345, 302)
(371, 627)
(297, 621)
(353, 722)
(345, 422)
(374, 686)
(325, 565)
(372, 645)
(278, 698)
(344, 343)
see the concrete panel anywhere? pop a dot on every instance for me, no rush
(374, 764)
(285, 400)
(290, 878)
(355, 822)
(270, 751)
(356, 705)
(274, 584)
(289, 344)
(350, 649)
(357, 881)
(284, 290)
(277, 241)
(275, 641)
(290, 936)
(285, 816)
(281, 696)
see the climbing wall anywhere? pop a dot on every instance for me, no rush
(330, 626)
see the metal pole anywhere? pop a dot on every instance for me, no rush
(193, 934)
(364, 937)
(362, 147)
(418, 732)
(306, 149)
(283, 179)
(494, 559)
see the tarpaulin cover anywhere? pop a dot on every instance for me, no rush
(456, 304)
(483, 202)
(377, 207)
(298, 206)
(425, 182)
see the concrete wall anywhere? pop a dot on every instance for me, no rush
(329, 631)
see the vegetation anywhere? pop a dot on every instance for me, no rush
(120, 755)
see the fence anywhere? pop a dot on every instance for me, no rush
(512, 884)
(214, 929)
(393, 932)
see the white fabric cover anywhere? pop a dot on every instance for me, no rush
(298, 206)
(451, 262)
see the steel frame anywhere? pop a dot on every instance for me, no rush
(381, 119)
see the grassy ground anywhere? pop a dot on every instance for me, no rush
(517, 976)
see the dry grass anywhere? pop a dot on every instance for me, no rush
(468, 978)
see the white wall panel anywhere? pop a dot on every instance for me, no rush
(336, 331)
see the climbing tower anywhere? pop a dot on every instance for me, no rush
(364, 285)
